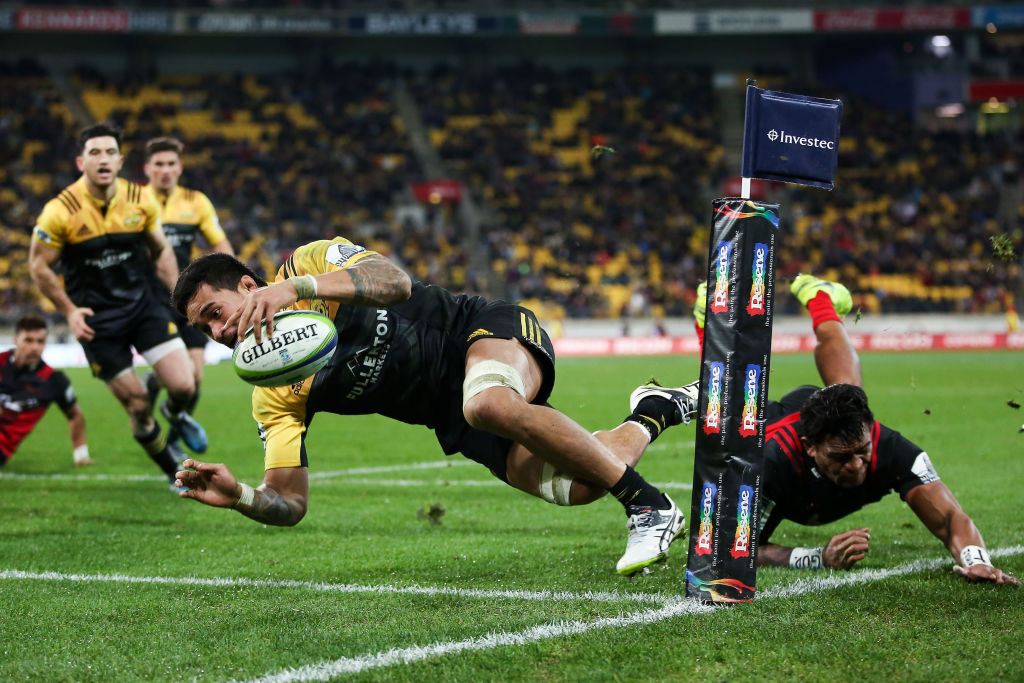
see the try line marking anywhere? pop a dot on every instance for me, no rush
(347, 476)
(667, 606)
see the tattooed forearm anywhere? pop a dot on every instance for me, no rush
(771, 555)
(270, 507)
(378, 282)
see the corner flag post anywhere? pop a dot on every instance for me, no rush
(735, 361)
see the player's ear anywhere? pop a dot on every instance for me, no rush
(78, 163)
(247, 284)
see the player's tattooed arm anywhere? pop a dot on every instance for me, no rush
(281, 500)
(270, 507)
(771, 555)
(371, 281)
(378, 282)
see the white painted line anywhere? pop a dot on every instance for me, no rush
(312, 475)
(430, 465)
(324, 671)
(824, 582)
(362, 481)
(347, 665)
(670, 606)
(85, 477)
(419, 482)
(538, 596)
(339, 476)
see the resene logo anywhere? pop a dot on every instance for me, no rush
(741, 544)
(713, 416)
(756, 303)
(707, 527)
(720, 299)
(789, 139)
(748, 421)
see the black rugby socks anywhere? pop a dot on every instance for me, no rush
(655, 414)
(632, 490)
(155, 445)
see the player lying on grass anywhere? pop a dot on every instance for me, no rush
(27, 388)
(826, 456)
(477, 372)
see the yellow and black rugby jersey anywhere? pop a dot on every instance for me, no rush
(184, 214)
(106, 259)
(402, 361)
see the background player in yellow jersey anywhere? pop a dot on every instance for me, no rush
(477, 372)
(185, 214)
(105, 233)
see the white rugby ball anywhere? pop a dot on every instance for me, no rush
(303, 343)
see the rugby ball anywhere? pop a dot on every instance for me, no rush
(303, 343)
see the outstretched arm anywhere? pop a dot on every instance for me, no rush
(281, 500)
(936, 506)
(76, 428)
(373, 281)
(41, 259)
(842, 552)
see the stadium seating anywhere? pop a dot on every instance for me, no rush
(593, 184)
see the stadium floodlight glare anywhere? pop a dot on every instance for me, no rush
(949, 111)
(941, 45)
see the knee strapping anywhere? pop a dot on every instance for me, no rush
(491, 373)
(554, 486)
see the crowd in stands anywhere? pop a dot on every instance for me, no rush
(597, 178)
(482, 6)
(593, 185)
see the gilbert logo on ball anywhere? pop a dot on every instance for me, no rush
(303, 343)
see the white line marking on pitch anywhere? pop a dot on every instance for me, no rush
(539, 596)
(324, 671)
(407, 655)
(670, 606)
(345, 476)
(312, 475)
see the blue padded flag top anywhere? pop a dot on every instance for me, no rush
(792, 138)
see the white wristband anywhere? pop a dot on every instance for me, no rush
(81, 453)
(305, 286)
(246, 497)
(973, 554)
(806, 558)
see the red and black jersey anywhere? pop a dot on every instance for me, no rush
(793, 488)
(25, 394)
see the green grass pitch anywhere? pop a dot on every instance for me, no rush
(111, 577)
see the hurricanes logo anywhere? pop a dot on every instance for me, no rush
(481, 332)
(720, 298)
(707, 527)
(748, 421)
(713, 416)
(132, 221)
(741, 544)
(756, 304)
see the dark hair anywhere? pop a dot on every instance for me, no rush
(838, 412)
(30, 322)
(163, 144)
(98, 130)
(220, 271)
